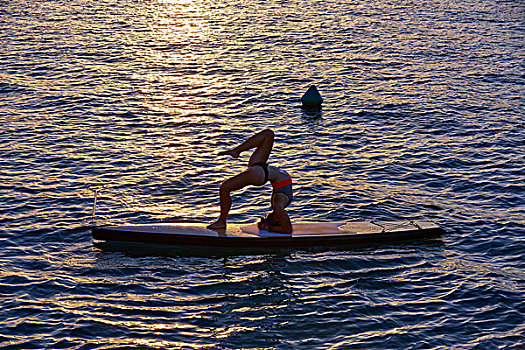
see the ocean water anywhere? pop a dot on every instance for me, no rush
(423, 118)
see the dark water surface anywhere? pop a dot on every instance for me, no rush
(423, 118)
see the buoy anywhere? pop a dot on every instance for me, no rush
(312, 98)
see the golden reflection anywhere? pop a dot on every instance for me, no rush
(164, 344)
(175, 54)
(225, 332)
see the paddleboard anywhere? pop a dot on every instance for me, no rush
(305, 234)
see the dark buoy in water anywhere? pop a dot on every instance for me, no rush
(312, 99)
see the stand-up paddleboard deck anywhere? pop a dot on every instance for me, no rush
(304, 234)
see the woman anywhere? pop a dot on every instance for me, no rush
(257, 174)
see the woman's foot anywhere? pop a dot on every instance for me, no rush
(217, 225)
(232, 152)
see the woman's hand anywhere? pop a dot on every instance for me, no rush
(262, 226)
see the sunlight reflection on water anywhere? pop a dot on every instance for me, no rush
(422, 118)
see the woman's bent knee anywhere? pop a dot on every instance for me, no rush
(268, 133)
(225, 187)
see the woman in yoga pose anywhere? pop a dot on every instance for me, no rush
(257, 174)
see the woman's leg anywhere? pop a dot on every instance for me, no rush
(252, 176)
(262, 142)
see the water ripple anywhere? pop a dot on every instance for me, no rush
(423, 118)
